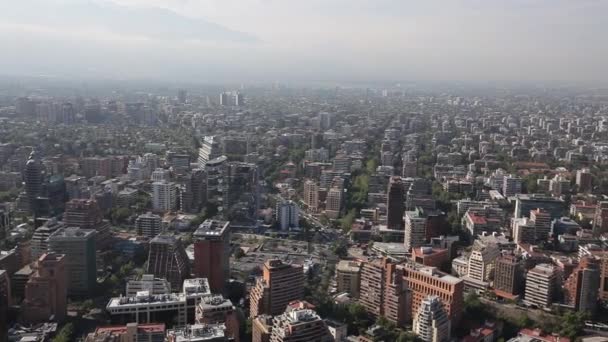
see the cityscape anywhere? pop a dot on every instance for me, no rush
(300, 200)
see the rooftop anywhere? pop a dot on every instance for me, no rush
(211, 228)
(198, 332)
(73, 233)
(198, 286)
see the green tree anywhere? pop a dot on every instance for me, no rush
(65, 334)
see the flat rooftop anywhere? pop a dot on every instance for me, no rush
(211, 228)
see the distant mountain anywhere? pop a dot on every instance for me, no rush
(155, 23)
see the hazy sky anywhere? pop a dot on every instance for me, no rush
(341, 40)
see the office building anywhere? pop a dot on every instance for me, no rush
(287, 215)
(524, 203)
(78, 246)
(216, 309)
(239, 99)
(415, 229)
(395, 204)
(34, 178)
(423, 281)
(541, 283)
(511, 186)
(482, 261)
(209, 150)
(333, 202)
(299, 325)
(131, 332)
(431, 256)
(542, 224)
(164, 196)
(241, 191)
(348, 277)
(507, 275)
(225, 99)
(216, 170)
(46, 290)
(581, 288)
(584, 180)
(279, 285)
(311, 195)
(39, 243)
(149, 283)
(86, 214)
(167, 259)
(212, 253)
(431, 323)
(149, 225)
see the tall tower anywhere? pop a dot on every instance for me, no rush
(212, 253)
(280, 284)
(431, 323)
(33, 181)
(168, 259)
(395, 205)
(46, 290)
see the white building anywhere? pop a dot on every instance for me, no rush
(431, 322)
(540, 285)
(148, 225)
(415, 230)
(164, 196)
(287, 215)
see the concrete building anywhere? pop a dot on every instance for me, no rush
(131, 332)
(86, 214)
(524, 203)
(209, 150)
(280, 284)
(348, 277)
(78, 246)
(431, 256)
(333, 203)
(311, 195)
(603, 295)
(46, 290)
(431, 323)
(299, 325)
(415, 229)
(33, 177)
(581, 288)
(382, 291)
(39, 243)
(395, 204)
(482, 261)
(507, 275)
(216, 309)
(511, 185)
(584, 180)
(287, 215)
(423, 281)
(149, 283)
(167, 259)
(212, 253)
(542, 224)
(541, 283)
(149, 225)
(600, 221)
(261, 327)
(164, 196)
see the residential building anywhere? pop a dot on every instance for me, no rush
(164, 196)
(541, 283)
(333, 202)
(149, 283)
(287, 215)
(47, 289)
(279, 284)
(39, 243)
(131, 332)
(86, 214)
(395, 205)
(507, 275)
(348, 277)
(311, 195)
(582, 286)
(511, 185)
(382, 291)
(299, 325)
(149, 225)
(216, 309)
(261, 327)
(415, 229)
(584, 180)
(431, 322)
(482, 261)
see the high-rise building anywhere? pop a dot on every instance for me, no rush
(581, 289)
(511, 185)
(542, 224)
(525, 203)
(181, 96)
(348, 277)
(299, 325)
(287, 215)
(431, 323)
(225, 99)
(261, 327)
(33, 181)
(279, 284)
(148, 225)
(600, 221)
(209, 150)
(507, 275)
(333, 203)
(217, 309)
(241, 191)
(541, 283)
(164, 196)
(239, 99)
(311, 195)
(168, 259)
(212, 253)
(395, 205)
(86, 214)
(78, 246)
(46, 290)
(382, 291)
(40, 240)
(5, 302)
(97, 166)
(415, 229)
(482, 261)
(424, 281)
(604, 278)
(584, 180)
(216, 170)
(160, 175)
